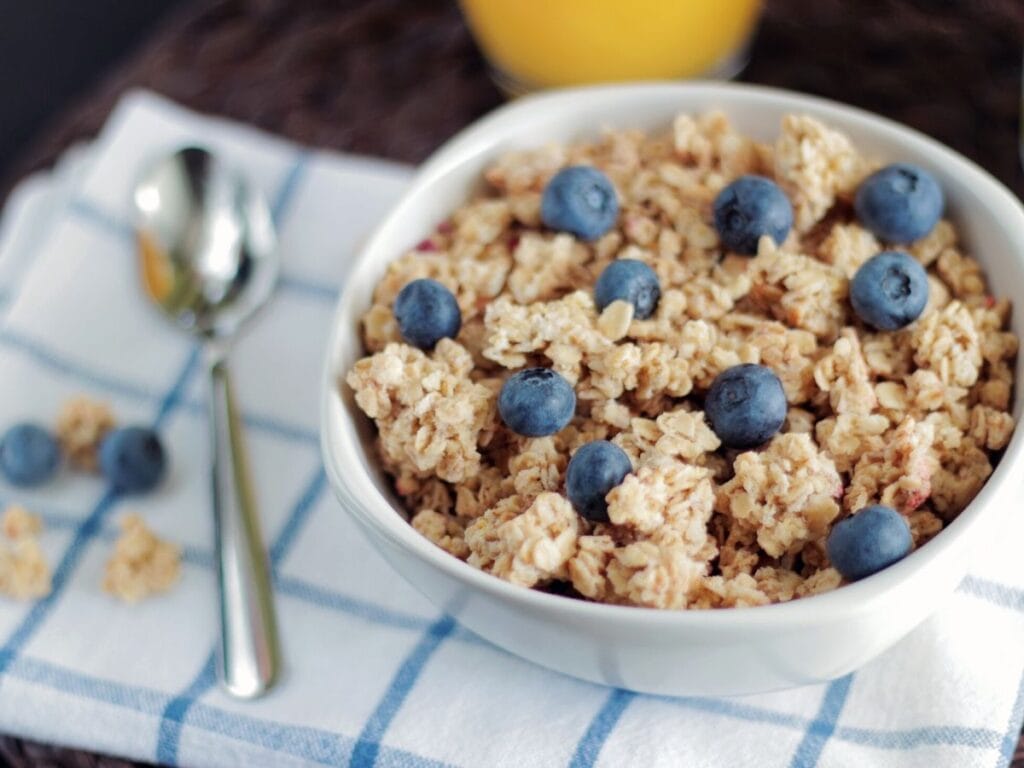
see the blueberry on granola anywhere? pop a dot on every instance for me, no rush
(536, 402)
(29, 455)
(426, 312)
(581, 200)
(872, 539)
(132, 459)
(899, 203)
(748, 208)
(629, 280)
(594, 470)
(889, 291)
(746, 405)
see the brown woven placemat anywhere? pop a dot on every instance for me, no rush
(397, 77)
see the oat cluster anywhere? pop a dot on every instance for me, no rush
(24, 572)
(913, 419)
(142, 564)
(81, 425)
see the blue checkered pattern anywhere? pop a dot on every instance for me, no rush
(376, 677)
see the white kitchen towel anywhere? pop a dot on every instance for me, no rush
(375, 675)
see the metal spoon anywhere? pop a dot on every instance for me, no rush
(209, 260)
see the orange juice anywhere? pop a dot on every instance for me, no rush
(543, 43)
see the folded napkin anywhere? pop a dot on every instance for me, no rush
(375, 675)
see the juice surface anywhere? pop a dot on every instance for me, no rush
(565, 42)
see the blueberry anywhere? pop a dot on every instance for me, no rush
(536, 401)
(889, 291)
(132, 459)
(426, 312)
(581, 200)
(594, 470)
(872, 539)
(630, 280)
(29, 455)
(746, 405)
(750, 207)
(899, 203)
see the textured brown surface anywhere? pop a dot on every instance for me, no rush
(397, 77)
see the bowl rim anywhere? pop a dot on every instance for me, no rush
(859, 596)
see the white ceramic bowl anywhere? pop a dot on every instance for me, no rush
(668, 652)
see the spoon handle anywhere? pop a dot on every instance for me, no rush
(249, 653)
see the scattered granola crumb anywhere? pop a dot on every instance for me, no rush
(24, 572)
(19, 523)
(141, 564)
(81, 425)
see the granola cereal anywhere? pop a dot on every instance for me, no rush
(430, 413)
(24, 571)
(525, 541)
(81, 425)
(785, 494)
(142, 564)
(19, 523)
(913, 419)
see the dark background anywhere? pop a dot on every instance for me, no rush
(53, 49)
(397, 77)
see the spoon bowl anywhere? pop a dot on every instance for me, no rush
(207, 246)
